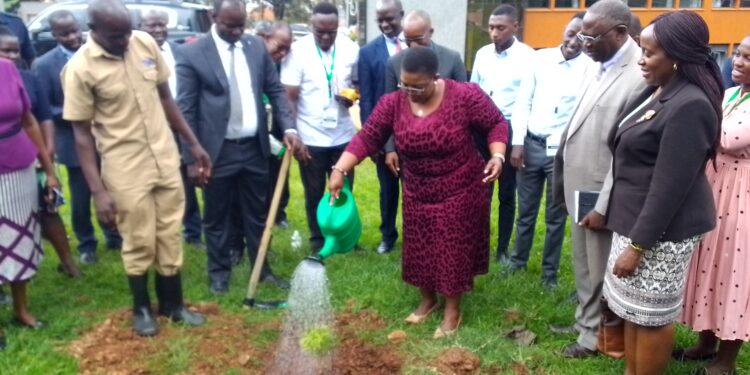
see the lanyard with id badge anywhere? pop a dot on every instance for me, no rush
(331, 112)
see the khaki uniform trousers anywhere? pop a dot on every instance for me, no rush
(149, 218)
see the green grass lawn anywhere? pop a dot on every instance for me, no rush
(72, 307)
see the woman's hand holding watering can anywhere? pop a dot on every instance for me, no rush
(336, 183)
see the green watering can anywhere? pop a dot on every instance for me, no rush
(339, 223)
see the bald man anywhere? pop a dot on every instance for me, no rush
(371, 65)
(154, 22)
(124, 111)
(418, 33)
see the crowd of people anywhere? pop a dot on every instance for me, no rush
(629, 132)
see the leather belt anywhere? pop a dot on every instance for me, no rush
(241, 141)
(537, 138)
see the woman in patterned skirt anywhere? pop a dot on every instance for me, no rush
(717, 296)
(22, 144)
(446, 198)
(661, 202)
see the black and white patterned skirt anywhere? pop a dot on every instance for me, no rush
(653, 295)
(20, 240)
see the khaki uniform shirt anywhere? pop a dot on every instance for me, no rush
(120, 96)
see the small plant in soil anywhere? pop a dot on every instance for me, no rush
(318, 341)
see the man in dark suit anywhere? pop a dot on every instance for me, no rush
(222, 79)
(371, 63)
(154, 22)
(66, 31)
(418, 33)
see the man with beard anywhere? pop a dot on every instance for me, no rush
(544, 105)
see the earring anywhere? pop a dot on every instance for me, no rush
(674, 67)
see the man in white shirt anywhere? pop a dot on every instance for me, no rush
(544, 105)
(318, 68)
(499, 68)
(154, 22)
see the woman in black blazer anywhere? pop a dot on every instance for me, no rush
(661, 202)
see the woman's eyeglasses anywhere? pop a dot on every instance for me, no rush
(411, 90)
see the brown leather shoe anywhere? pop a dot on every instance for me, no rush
(562, 330)
(575, 350)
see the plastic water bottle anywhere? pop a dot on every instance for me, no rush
(296, 241)
(277, 148)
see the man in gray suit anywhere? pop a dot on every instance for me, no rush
(418, 32)
(609, 87)
(222, 79)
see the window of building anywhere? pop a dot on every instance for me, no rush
(725, 3)
(662, 4)
(691, 3)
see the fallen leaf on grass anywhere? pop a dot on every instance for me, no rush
(521, 336)
(397, 337)
(512, 315)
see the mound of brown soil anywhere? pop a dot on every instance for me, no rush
(225, 343)
(457, 361)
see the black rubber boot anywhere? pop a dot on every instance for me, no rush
(169, 292)
(144, 323)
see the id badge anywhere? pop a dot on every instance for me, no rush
(331, 115)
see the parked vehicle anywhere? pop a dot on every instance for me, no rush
(186, 20)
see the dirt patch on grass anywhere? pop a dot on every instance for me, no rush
(457, 361)
(226, 343)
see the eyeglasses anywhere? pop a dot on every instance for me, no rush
(593, 39)
(418, 40)
(411, 90)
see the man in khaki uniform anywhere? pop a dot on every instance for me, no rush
(117, 96)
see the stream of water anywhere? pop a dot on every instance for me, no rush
(309, 308)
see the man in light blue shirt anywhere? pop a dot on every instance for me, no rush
(498, 69)
(544, 105)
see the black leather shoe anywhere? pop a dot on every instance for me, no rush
(679, 355)
(278, 282)
(144, 323)
(171, 305)
(87, 258)
(283, 224)
(562, 330)
(575, 350)
(385, 247)
(550, 284)
(218, 287)
(503, 258)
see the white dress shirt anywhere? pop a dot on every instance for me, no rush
(247, 96)
(390, 43)
(500, 74)
(166, 52)
(548, 94)
(321, 121)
